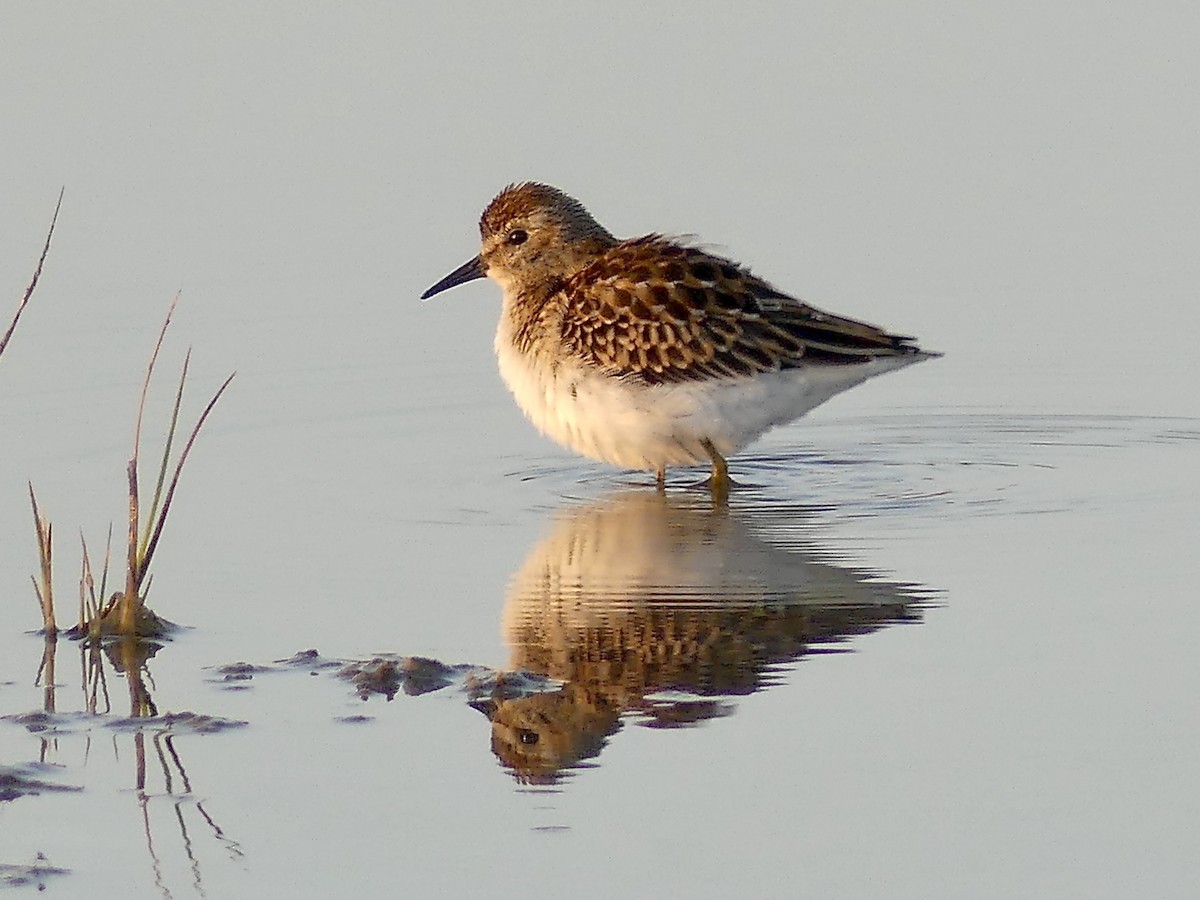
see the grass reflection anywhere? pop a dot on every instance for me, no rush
(143, 739)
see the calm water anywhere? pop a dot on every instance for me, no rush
(916, 654)
(941, 642)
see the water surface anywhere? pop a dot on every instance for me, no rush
(941, 641)
(903, 626)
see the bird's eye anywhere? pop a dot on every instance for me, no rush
(518, 236)
(525, 736)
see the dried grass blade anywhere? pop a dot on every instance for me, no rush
(137, 428)
(166, 457)
(104, 572)
(87, 585)
(133, 572)
(37, 274)
(166, 506)
(45, 540)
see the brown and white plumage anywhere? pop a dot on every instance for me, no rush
(662, 312)
(648, 353)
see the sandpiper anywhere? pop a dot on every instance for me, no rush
(647, 353)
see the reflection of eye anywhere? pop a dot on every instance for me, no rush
(525, 736)
(518, 236)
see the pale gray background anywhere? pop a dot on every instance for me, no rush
(1014, 183)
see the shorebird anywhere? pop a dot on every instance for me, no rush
(647, 353)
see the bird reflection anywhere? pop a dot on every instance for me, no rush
(662, 607)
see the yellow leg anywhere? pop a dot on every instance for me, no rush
(718, 482)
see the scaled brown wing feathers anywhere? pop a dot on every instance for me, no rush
(661, 312)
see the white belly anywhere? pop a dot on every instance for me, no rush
(650, 427)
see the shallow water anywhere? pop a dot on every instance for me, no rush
(913, 652)
(941, 641)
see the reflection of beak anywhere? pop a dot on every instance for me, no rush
(468, 271)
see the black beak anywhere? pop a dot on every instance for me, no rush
(468, 271)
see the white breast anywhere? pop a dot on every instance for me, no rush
(635, 426)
